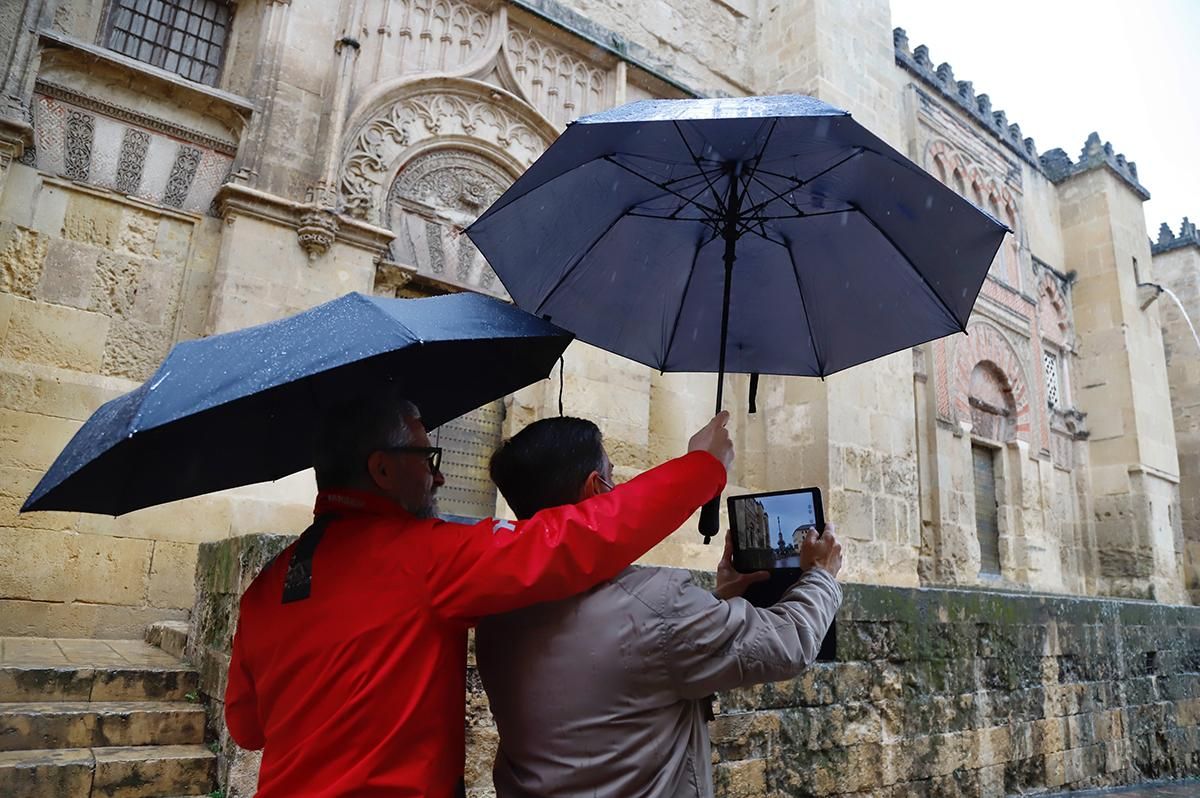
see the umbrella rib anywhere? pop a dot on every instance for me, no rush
(655, 183)
(683, 300)
(913, 266)
(696, 160)
(575, 265)
(804, 306)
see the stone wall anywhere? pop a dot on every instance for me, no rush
(934, 693)
(1177, 268)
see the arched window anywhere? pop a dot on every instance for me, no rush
(186, 37)
(1002, 255)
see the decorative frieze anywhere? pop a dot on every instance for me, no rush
(409, 37)
(133, 157)
(560, 85)
(183, 170)
(77, 155)
(434, 109)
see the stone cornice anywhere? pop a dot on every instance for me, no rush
(223, 146)
(233, 199)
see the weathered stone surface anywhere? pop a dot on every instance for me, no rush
(46, 774)
(147, 771)
(66, 724)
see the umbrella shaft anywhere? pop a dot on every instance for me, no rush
(732, 208)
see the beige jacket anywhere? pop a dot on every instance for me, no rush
(602, 694)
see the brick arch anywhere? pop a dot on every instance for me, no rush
(986, 344)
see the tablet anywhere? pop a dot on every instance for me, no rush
(768, 528)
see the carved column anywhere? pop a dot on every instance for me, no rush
(319, 222)
(23, 20)
(272, 37)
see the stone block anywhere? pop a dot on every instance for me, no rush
(186, 521)
(741, 779)
(46, 773)
(92, 220)
(113, 570)
(34, 682)
(38, 565)
(146, 771)
(22, 254)
(75, 619)
(67, 273)
(55, 336)
(172, 574)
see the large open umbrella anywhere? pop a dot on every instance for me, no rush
(762, 235)
(242, 407)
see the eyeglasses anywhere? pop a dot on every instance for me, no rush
(605, 482)
(433, 454)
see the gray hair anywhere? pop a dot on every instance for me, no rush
(352, 430)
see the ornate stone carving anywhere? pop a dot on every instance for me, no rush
(560, 85)
(458, 109)
(432, 199)
(133, 157)
(317, 231)
(406, 37)
(77, 157)
(187, 159)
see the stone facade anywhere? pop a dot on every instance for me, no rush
(1177, 271)
(934, 692)
(344, 147)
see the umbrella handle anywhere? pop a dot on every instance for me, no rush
(710, 518)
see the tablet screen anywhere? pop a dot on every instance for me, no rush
(769, 528)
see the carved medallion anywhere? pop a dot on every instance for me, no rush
(433, 198)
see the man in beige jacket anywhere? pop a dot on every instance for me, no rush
(603, 694)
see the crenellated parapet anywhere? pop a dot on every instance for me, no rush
(962, 94)
(1058, 166)
(1055, 163)
(1167, 240)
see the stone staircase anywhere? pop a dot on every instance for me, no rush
(101, 719)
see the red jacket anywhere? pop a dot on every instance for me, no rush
(359, 689)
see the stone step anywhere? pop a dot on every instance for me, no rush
(86, 724)
(24, 683)
(113, 772)
(170, 636)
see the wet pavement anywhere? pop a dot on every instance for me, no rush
(1173, 789)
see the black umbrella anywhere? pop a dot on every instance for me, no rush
(242, 407)
(762, 235)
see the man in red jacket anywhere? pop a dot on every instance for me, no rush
(349, 661)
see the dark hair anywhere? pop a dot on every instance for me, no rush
(351, 430)
(546, 464)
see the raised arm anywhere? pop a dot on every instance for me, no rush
(497, 566)
(715, 645)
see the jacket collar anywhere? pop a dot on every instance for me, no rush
(347, 501)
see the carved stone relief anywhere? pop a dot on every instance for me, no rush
(77, 158)
(560, 85)
(407, 37)
(432, 199)
(459, 110)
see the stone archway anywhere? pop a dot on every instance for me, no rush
(434, 196)
(986, 344)
(424, 157)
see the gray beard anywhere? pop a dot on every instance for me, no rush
(430, 510)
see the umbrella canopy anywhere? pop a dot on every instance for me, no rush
(770, 235)
(626, 232)
(242, 407)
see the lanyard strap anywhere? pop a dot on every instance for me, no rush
(297, 584)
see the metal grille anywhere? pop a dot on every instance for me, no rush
(467, 445)
(1050, 363)
(987, 526)
(186, 37)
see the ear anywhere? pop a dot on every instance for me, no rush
(591, 486)
(378, 467)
